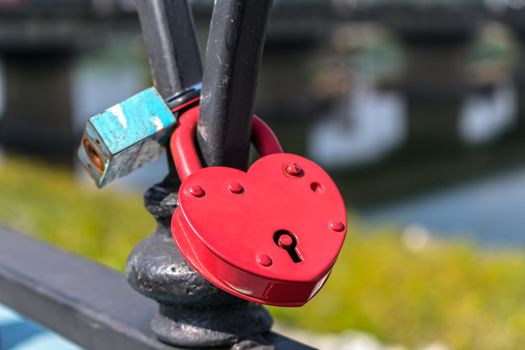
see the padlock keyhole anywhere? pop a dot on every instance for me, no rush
(287, 241)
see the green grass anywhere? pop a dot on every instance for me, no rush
(50, 204)
(453, 292)
(450, 292)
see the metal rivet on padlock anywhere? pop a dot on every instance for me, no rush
(274, 244)
(337, 226)
(196, 191)
(235, 187)
(294, 170)
(264, 260)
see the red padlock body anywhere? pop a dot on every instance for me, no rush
(231, 237)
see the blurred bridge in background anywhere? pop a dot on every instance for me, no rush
(40, 39)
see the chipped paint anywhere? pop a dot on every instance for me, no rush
(130, 134)
(158, 123)
(118, 112)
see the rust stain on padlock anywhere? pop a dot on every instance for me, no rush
(93, 155)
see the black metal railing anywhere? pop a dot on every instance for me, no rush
(85, 302)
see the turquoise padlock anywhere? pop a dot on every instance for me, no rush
(130, 134)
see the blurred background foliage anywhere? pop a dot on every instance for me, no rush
(406, 287)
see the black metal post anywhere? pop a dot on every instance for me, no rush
(233, 57)
(175, 62)
(193, 312)
(169, 34)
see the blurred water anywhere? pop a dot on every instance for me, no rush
(490, 211)
(19, 334)
(363, 129)
(485, 117)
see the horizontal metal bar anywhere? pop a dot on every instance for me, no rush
(85, 302)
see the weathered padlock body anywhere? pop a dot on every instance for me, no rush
(230, 224)
(126, 136)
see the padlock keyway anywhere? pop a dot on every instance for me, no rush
(287, 241)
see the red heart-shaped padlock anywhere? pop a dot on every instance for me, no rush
(269, 235)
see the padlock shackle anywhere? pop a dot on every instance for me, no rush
(182, 143)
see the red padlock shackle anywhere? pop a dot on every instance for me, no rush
(182, 143)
